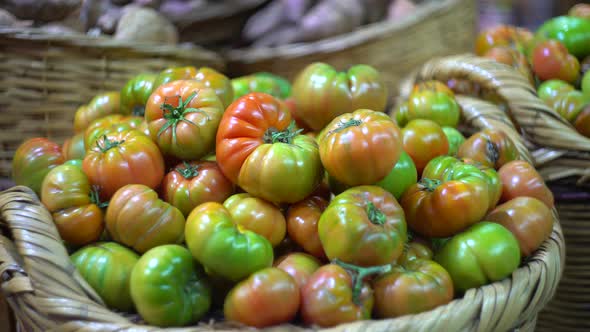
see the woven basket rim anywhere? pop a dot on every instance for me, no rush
(359, 36)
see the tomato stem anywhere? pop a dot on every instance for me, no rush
(174, 115)
(95, 197)
(358, 274)
(429, 184)
(347, 124)
(105, 144)
(273, 135)
(375, 215)
(492, 151)
(189, 171)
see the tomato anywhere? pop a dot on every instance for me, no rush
(401, 176)
(415, 249)
(501, 35)
(74, 207)
(360, 147)
(551, 60)
(182, 119)
(580, 10)
(168, 288)
(321, 93)
(73, 147)
(33, 159)
(364, 225)
(264, 82)
(174, 74)
(101, 105)
(529, 220)
(582, 122)
(484, 253)
(259, 150)
(333, 296)
(302, 224)
(420, 285)
(424, 140)
(74, 162)
(107, 267)
(438, 106)
(224, 248)
(513, 58)
(519, 178)
(299, 266)
(450, 197)
(585, 84)
(550, 89)
(136, 92)
(490, 147)
(121, 158)
(434, 86)
(111, 124)
(257, 215)
(137, 218)
(493, 181)
(573, 32)
(569, 104)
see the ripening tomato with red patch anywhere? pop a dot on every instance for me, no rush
(519, 178)
(33, 159)
(424, 140)
(551, 60)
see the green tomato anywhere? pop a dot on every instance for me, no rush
(586, 84)
(107, 267)
(136, 93)
(261, 82)
(401, 177)
(168, 288)
(437, 106)
(455, 139)
(550, 89)
(484, 253)
(573, 32)
(74, 162)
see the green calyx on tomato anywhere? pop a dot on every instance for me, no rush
(359, 274)
(273, 135)
(174, 115)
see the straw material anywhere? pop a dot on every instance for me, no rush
(436, 28)
(47, 293)
(562, 157)
(44, 78)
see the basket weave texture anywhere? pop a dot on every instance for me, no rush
(436, 28)
(44, 78)
(46, 292)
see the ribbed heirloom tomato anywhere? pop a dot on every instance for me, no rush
(136, 92)
(424, 140)
(302, 224)
(182, 119)
(259, 149)
(101, 105)
(33, 159)
(112, 123)
(519, 178)
(360, 147)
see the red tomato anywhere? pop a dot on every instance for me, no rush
(360, 147)
(302, 224)
(551, 60)
(491, 147)
(519, 178)
(33, 159)
(298, 265)
(423, 140)
(191, 183)
(121, 158)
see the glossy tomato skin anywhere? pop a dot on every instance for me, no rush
(450, 197)
(529, 220)
(33, 159)
(259, 151)
(361, 147)
(327, 298)
(137, 218)
(222, 247)
(190, 184)
(519, 178)
(174, 74)
(302, 224)
(267, 297)
(551, 60)
(573, 32)
(66, 193)
(185, 131)
(321, 93)
(455, 139)
(438, 106)
(101, 105)
(364, 225)
(136, 92)
(122, 158)
(221, 84)
(402, 176)
(73, 147)
(257, 215)
(111, 124)
(424, 140)
(169, 288)
(569, 104)
(420, 285)
(550, 89)
(269, 83)
(415, 249)
(490, 147)
(484, 253)
(300, 266)
(493, 180)
(107, 267)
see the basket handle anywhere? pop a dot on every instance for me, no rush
(539, 123)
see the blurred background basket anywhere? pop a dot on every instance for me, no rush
(436, 28)
(46, 292)
(45, 77)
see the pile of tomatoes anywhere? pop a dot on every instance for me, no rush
(555, 59)
(188, 193)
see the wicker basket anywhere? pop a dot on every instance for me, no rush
(45, 291)
(436, 28)
(562, 157)
(44, 78)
